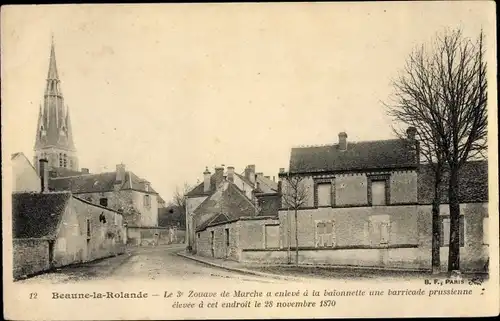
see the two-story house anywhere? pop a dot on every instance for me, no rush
(120, 190)
(363, 208)
(259, 190)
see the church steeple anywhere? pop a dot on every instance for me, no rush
(54, 138)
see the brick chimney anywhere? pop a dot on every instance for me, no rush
(219, 175)
(250, 173)
(230, 173)
(120, 174)
(282, 170)
(206, 180)
(411, 132)
(44, 175)
(342, 141)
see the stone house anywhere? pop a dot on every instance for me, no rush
(367, 205)
(260, 190)
(55, 229)
(235, 223)
(25, 176)
(120, 190)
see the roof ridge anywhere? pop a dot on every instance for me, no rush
(348, 142)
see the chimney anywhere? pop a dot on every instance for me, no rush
(250, 173)
(120, 174)
(230, 173)
(219, 175)
(411, 132)
(342, 141)
(282, 170)
(85, 170)
(274, 178)
(44, 175)
(206, 182)
(259, 174)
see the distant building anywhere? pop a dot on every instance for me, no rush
(257, 194)
(368, 205)
(25, 176)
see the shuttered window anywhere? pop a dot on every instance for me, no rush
(445, 231)
(325, 234)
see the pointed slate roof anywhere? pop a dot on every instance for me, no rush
(37, 215)
(54, 125)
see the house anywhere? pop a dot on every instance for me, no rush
(54, 229)
(120, 190)
(25, 176)
(368, 204)
(260, 189)
(234, 223)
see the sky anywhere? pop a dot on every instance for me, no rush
(171, 89)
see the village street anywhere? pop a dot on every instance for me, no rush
(145, 263)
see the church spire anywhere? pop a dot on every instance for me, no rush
(54, 138)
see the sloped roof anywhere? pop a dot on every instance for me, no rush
(232, 203)
(199, 189)
(473, 181)
(393, 153)
(266, 185)
(37, 215)
(96, 183)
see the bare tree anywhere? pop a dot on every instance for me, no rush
(442, 92)
(179, 198)
(295, 196)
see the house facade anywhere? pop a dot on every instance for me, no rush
(56, 229)
(366, 206)
(122, 191)
(213, 201)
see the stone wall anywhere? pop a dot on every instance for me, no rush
(30, 256)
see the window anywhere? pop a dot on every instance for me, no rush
(378, 230)
(486, 231)
(227, 237)
(324, 191)
(103, 201)
(65, 160)
(147, 201)
(70, 163)
(378, 193)
(60, 160)
(198, 235)
(445, 231)
(88, 228)
(325, 234)
(272, 236)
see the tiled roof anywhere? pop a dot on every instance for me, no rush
(64, 172)
(232, 203)
(394, 153)
(266, 185)
(473, 181)
(37, 215)
(199, 189)
(94, 183)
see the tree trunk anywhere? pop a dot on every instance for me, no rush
(436, 224)
(296, 239)
(454, 249)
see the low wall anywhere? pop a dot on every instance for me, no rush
(30, 256)
(150, 236)
(403, 257)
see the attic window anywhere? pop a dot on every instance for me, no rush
(103, 201)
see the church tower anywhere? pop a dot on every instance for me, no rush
(54, 138)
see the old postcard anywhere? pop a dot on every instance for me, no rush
(252, 160)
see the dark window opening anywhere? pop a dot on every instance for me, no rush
(88, 228)
(103, 202)
(227, 237)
